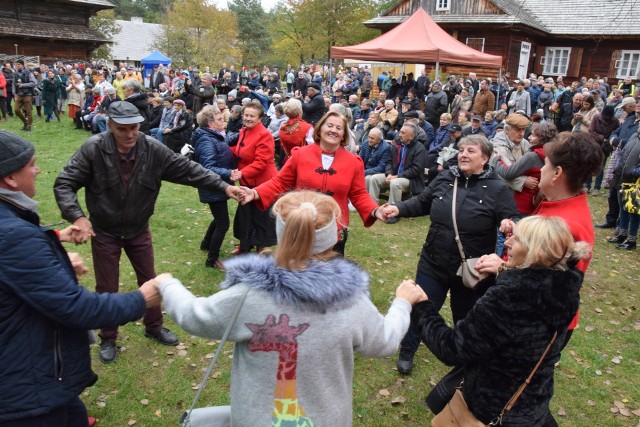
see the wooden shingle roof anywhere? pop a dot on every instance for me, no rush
(563, 18)
(51, 31)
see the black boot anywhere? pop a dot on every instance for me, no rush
(628, 245)
(405, 361)
(619, 239)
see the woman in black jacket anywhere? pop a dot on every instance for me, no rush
(483, 201)
(499, 342)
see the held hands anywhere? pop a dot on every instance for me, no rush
(71, 234)
(78, 264)
(236, 174)
(489, 264)
(410, 291)
(390, 178)
(531, 183)
(85, 230)
(236, 193)
(386, 211)
(247, 196)
(507, 226)
(150, 291)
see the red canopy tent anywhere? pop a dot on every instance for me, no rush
(417, 40)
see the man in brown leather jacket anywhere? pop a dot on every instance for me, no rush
(122, 170)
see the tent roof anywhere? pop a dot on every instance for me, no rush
(156, 58)
(417, 40)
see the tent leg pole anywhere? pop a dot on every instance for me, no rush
(437, 70)
(499, 86)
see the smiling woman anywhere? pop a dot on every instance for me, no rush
(325, 166)
(483, 201)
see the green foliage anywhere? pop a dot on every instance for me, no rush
(254, 41)
(150, 10)
(305, 30)
(104, 23)
(197, 33)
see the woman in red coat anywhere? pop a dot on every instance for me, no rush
(254, 154)
(324, 166)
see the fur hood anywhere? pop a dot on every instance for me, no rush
(324, 285)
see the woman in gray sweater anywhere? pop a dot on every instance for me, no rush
(306, 313)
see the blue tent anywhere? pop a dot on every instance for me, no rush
(156, 58)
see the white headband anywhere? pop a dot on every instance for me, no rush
(326, 237)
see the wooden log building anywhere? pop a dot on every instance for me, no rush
(54, 30)
(569, 38)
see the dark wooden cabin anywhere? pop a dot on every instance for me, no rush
(569, 38)
(54, 30)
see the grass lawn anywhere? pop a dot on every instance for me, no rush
(150, 385)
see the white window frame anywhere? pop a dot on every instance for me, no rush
(554, 62)
(628, 64)
(442, 5)
(476, 38)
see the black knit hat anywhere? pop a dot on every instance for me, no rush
(15, 152)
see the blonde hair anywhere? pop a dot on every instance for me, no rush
(549, 242)
(447, 117)
(294, 249)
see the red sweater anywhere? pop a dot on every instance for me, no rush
(255, 153)
(343, 181)
(575, 212)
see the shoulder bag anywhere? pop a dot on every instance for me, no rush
(212, 416)
(470, 276)
(457, 413)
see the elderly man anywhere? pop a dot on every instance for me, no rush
(375, 154)
(121, 171)
(485, 100)
(202, 94)
(45, 314)
(435, 105)
(404, 172)
(475, 128)
(509, 146)
(313, 110)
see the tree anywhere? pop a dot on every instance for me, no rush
(197, 33)
(254, 40)
(305, 30)
(104, 22)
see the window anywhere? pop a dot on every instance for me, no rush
(443, 5)
(476, 43)
(628, 64)
(555, 61)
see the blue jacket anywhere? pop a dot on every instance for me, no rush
(375, 160)
(44, 318)
(213, 152)
(442, 138)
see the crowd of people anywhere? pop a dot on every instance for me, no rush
(503, 169)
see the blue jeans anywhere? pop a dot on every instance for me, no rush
(628, 221)
(462, 300)
(101, 123)
(599, 178)
(156, 133)
(73, 414)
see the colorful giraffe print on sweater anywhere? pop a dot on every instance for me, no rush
(281, 338)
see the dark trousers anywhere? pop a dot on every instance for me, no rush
(8, 104)
(24, 110)
(3, 106)
(73, 414)
(462, 300)
(254, 227)
(214, 237)
(106, 251)
(614, 207)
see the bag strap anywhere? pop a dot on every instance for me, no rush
(518, 393)
(223, 341)
(455, 223)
